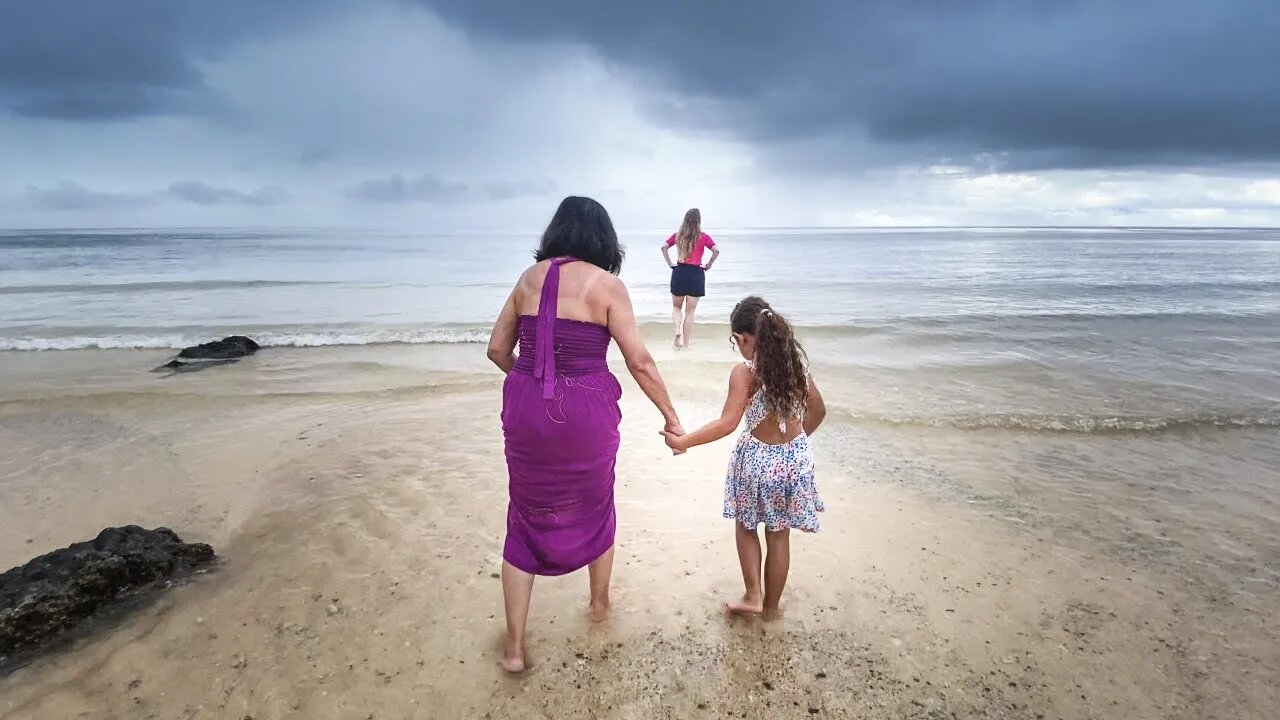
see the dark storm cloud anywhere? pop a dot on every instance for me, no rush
(433, 189)
(199, 193)
(85, 61)
(823, 84)
(1033, 84)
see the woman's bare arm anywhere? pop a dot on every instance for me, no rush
(715, 253)
(622, 326)
(666, 254)
(730, 416)
(502, 341)
(816, 410)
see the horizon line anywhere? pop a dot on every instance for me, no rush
(725, 229)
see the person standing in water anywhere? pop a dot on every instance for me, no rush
(688, 274)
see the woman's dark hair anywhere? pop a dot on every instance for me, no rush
(581, 229)
(780, 363)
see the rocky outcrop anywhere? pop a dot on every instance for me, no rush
(206, 355)
(236, 346)
(55, 593)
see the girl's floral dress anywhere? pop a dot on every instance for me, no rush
(771, 484)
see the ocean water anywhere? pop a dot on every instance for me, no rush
(1067, 329)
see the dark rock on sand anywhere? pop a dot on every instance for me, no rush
(236, 346)
(55, 593)
(206, 355)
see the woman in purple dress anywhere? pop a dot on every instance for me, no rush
(560, 410)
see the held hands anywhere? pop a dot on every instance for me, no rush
(672, 433)
(676, 443)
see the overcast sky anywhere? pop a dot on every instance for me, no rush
(481, 114)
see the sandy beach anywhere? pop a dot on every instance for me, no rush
(254, 256)
(357, 496)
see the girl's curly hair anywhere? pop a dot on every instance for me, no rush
(781, 366)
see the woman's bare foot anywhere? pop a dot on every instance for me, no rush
(513, 659)
(747, 606)
(679, 342)
(773, 613)
(598, 610)
(513, 664)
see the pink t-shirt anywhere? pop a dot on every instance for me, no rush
(695, 257)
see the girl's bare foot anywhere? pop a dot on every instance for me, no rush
(598, 611)
(773, 613)
(747, 606)
(679, 342)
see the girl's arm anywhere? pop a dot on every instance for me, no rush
(666, 254)
(502, 341)
(816, 411)
(622, 326)
(715, 253)
(735, 405)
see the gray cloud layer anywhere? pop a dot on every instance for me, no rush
(432, 189)
(194, 191)
(1087, 83)
(73, 196)
(68, 195)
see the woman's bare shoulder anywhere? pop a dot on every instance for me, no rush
(532, 275)
(600, 280)
(528, 282)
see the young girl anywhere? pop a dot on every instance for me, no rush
(770, 477)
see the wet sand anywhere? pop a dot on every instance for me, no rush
(360, 536)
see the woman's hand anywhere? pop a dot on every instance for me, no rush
(666, 254)
(715, 253)
(675, 442)
(671, 433)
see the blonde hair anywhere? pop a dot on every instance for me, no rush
(690, 231)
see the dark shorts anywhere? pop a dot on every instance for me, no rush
(688, 281)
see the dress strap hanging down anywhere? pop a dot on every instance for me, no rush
(545, 367)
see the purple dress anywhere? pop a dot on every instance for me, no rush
(560, 421)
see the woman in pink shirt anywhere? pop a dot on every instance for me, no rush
(689, 275)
